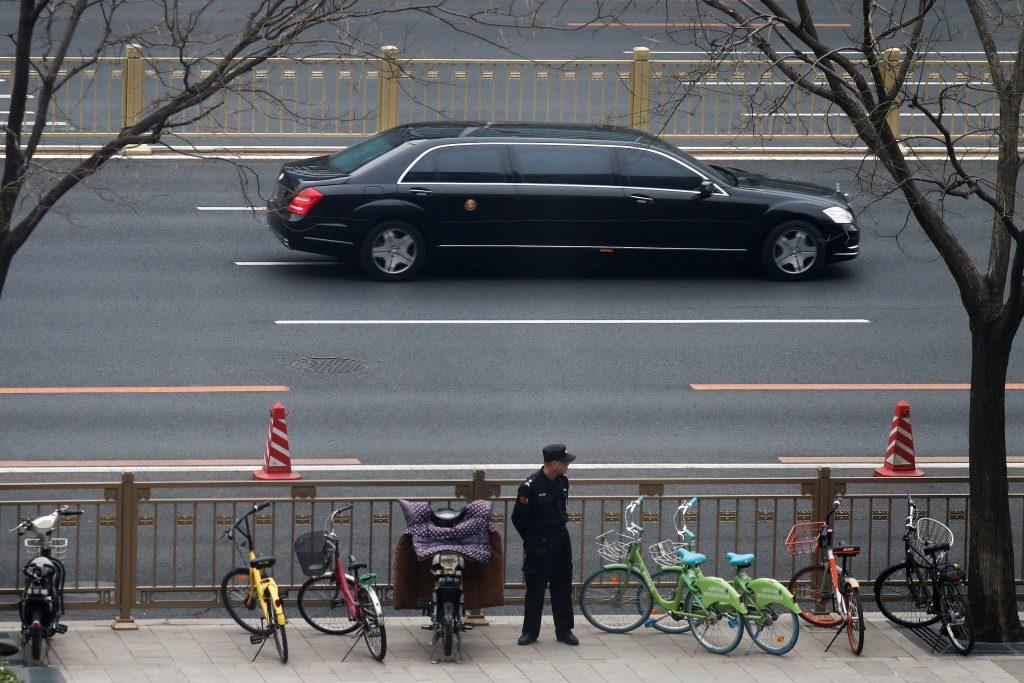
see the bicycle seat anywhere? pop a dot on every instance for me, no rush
(691, 559)
(353, 569)
(848, 551)
(935, 548)
(262, 562)
(740, 560)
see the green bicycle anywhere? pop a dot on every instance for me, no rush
(772, 615)
(621, 595)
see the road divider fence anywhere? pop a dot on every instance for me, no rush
(156, 545)
(322, 98)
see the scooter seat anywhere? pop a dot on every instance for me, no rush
(740, 560)
(690, 559)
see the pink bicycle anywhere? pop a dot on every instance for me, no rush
(336, 601)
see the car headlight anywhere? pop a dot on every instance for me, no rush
(838, 214)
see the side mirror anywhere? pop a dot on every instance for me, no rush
(707, 188)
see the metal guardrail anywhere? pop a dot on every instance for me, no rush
(341, 98)
(156, 545)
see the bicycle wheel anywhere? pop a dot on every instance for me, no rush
(322, 605)
(615, 600)
(716, 631)
(276, 629)
(240, 603)
(854, 619)
(373, 629)
(666, 582)
(773, 628)
(956, 616)
(903, 597)
(812, 589)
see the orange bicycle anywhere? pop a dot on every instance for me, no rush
(827, 595)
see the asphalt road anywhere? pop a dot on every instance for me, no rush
(133, 286)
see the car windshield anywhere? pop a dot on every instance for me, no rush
(349, 160)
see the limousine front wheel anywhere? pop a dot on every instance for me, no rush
(793, 251)
(392, 251)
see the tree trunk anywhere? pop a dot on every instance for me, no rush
(993, 594)
(6, 256)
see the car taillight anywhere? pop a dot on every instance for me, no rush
(304, 201)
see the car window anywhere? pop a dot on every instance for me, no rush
(349, 160)
(470, 164)
(423, 171)
(648, 169)
(563, 164)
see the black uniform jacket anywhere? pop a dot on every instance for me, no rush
(541, 504)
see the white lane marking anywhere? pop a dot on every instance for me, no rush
(526, 467)
(842, 52)
(653, 321)
(286, 263)
(232, 208)
(840, 113)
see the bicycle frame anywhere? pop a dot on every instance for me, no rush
(258, 584)
(711, 589)
(343, 581)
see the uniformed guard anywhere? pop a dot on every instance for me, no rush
(540, 516)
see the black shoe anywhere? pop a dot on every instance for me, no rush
(527, 638)
(568, 638)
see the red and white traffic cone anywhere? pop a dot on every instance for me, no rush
(899, 456)
(277, 462)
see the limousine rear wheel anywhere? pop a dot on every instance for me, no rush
(793, 251)
(393, 250)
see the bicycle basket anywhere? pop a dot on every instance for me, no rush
(666, 553)
(932, 532)
(802, 538)
(312, 552)
(58, 546)
(613, 546)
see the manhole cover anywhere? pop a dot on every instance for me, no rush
(335, 366)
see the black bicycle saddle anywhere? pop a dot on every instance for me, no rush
(447, 517)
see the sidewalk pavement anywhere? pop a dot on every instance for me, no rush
(218, 651)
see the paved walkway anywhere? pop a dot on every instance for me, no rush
(218, 651)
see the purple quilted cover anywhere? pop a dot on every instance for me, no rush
(469, 538)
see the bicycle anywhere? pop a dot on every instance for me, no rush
(42, 599)
(337, 601)
(923, 589)
(770, 618)
(620, 596)
(251, 598)
(828, 596)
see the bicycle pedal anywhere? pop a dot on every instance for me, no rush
(427, 627)
(468, 627)
(650, 622)
(256, 640)
(733, 622)
(60, 628)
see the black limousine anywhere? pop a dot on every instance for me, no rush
(470, 192)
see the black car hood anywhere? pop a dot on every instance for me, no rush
(754, 180)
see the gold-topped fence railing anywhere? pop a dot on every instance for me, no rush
(294, 99)
(157, 545)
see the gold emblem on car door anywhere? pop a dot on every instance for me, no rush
(470, 205)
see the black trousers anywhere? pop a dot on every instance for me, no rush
(548, 563)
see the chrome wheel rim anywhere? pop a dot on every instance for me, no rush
(394, 251)
(795, 251)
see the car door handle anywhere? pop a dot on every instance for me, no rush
(421, 191)
(641, 199)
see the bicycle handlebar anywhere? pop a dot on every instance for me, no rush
(345, 508)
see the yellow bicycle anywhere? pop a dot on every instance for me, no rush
(251, 598)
